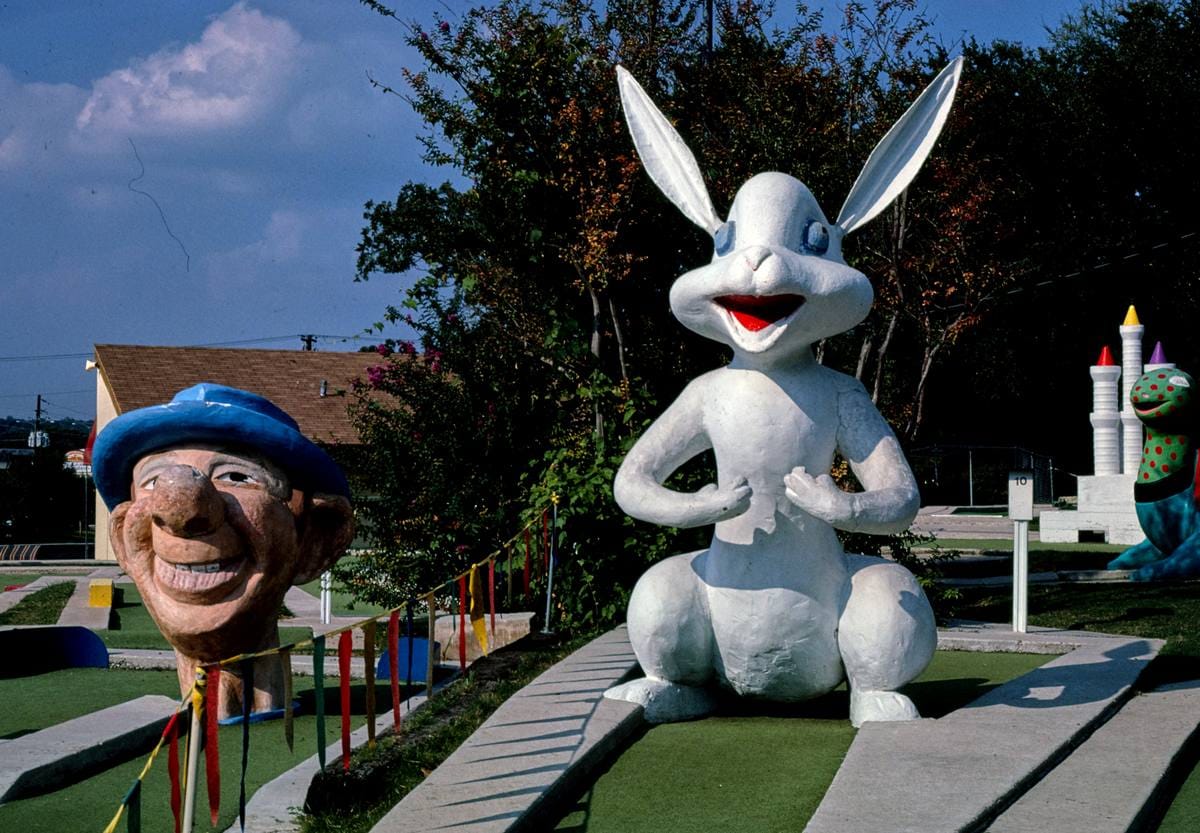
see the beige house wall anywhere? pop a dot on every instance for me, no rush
(106, 412)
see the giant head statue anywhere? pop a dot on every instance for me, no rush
(219, 505)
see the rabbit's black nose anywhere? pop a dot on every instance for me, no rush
(755, 255)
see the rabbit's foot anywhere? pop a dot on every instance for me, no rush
(665, 702)
(880, 705)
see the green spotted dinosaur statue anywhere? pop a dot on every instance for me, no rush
(1165, 489)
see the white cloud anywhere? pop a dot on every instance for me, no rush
(231, 76)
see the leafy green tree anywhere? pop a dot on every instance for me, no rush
(545, 342)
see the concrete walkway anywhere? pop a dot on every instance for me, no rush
(532, 752)
(960, 772)
(945, 522)
(1112, 783)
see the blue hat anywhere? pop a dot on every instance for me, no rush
(208, 413)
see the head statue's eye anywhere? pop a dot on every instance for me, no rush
(816, 238)
(724, 238)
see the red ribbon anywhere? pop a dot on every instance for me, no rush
(212, 761)
(462, 622)
(394, 664)
(171, 733)
(492, 596)
(528, 558)
(345, 646)
(545, 540)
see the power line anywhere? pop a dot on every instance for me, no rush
(49, 393)
(236, 343)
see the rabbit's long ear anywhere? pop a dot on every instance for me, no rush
(899, 155)
(665, 155)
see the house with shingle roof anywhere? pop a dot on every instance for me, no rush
(312, 386)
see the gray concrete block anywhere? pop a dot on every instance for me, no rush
(1111, 783)
(532, 751)
(52, 758)
(958, 773)
(78, 611)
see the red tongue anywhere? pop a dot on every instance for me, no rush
(755, 312)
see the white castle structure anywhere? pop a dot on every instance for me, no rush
(1106, 498)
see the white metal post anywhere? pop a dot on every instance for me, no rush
(326, 597)
(195, 734)
(1020, 604)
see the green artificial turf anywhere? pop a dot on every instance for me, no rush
(89, 804)
(17, 579)
(41, 607)
(132, 627)
(41, 700)
(1183, 816)
(762, 769)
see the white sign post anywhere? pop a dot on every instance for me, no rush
(1020, 510)
(326, 598)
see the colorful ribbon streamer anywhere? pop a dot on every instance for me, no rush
(528, 558)
(492, 595)
(247, 707)
(368, 630)
(345, 646)
(393, 637)
(133, 808)
(172, 733)
(319, 694)
(475, 582)
(408, 617)
(462, 623)
(289, 716)
(212, 760)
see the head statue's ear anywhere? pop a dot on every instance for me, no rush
(116, 532)
(665, 155)
(899, 155)
(326, 530)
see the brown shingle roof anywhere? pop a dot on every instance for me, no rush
(138, 376)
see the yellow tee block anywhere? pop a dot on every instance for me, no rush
(100, 592)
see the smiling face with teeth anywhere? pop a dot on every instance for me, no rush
(777, 282)
(213, 538)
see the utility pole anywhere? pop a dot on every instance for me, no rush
(708, 46)
(308, 342)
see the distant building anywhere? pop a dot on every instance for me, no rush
(312, 386)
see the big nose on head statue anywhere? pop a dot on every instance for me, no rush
(185, 503)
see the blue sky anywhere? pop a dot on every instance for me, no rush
(259, 140)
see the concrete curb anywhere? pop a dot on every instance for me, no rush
(1114, 782)
(276, 805)
(59, 755)
(512, 772)
(961, 772)
(78, 610)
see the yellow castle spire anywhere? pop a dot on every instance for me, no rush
(1131, 319)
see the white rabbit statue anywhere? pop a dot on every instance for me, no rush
(774, 609)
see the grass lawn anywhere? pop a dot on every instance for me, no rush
(344, 604)
(714, 774)
(17, 579)
(41, 700)
(132, 627)
(89, 804)
(41, 607)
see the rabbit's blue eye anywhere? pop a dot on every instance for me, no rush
(724, 238)
(816, 238)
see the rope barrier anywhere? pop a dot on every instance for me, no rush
(202, 698)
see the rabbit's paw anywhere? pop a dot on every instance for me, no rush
(880, 706)
(665, 702)
(818, 496)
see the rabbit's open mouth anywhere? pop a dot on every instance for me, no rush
(756, 312)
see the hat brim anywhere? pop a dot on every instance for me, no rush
(132, 436)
